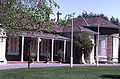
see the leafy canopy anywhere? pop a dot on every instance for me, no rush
(92, 15)
(19, 15)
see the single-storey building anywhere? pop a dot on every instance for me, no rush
(16, 47)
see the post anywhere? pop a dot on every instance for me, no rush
(71, 58)
(29, 58)
(97, 59)
(22, 50)
(52, 50)
(39, 40)
(64, 49)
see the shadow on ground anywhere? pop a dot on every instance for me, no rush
(111, 76)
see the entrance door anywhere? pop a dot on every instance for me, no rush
(26, 48)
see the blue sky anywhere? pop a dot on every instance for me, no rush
(107, 7)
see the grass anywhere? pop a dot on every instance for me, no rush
(81, 72)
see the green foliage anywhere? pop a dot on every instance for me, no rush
(32, 55)
(115, 20)
(65, 22)
(92, 15)
(84, 44)
(24, 15)
(60, 54)
(47, 55)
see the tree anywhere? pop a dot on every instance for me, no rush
(92, 15)
(19, 15)
(115, 20)
(83, 44)
(65, 22)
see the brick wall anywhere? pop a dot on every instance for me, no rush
(109, 48)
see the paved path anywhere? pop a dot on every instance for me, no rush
(14, 66)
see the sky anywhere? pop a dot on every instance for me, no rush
(107, 7)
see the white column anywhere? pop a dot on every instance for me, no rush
(83, 58)
(3, 51)
(64, 49)
(92, 54)
(22, 50)
(39, 40)
(97, 59)
(115, 49)
(2, 46)
(52, 50)
(71, 57)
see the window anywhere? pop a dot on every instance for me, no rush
(44, 47)
(13, 46)
(33, 45)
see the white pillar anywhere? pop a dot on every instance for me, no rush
(22, 50)
(3, 51)
(2, 47)
(92, 54)
(97, 59)
(83, 59)
(39, 40)
(71, 57)
(64, 49)
(115, 49)
(52, 50)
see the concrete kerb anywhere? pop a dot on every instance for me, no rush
(15, 66)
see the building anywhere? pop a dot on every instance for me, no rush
(17, 47)
(109, 37)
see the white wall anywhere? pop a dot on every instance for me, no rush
(115, 49)
(2, 47)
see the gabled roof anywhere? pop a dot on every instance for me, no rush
(92, 22)
(79, 29)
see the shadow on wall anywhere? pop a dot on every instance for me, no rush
(111, 76)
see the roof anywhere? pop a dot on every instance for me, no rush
(78, 29)
(57, 28)
(44, 36)
(92, 22)
(60, 29)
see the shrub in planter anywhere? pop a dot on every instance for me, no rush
(47, 56)
(32, 56)
(60, 55)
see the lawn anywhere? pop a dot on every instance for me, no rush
(80, 72)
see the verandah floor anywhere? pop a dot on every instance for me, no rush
(19, 62)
